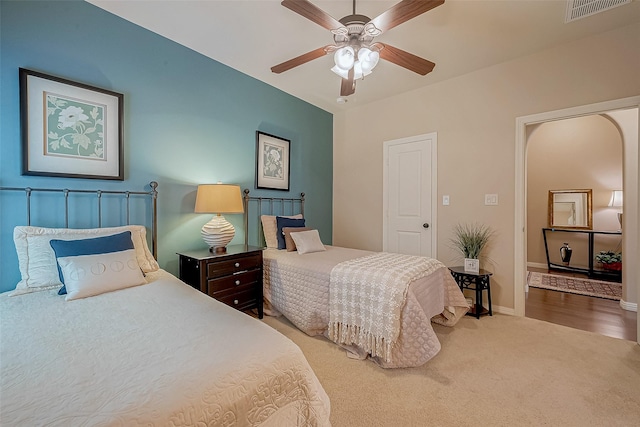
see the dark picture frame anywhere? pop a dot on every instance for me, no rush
(70, 129)
(273, 161)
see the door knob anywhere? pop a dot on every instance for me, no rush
(425, 225)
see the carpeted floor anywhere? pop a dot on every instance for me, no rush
(496, 371)
(575, 285)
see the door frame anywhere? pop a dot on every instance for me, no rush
(520, 240)
(433, 136)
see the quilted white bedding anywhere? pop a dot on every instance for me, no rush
(297, 286)
(161, 354)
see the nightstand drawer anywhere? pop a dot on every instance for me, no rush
(226, 267)
(241, 300)
(232, 282)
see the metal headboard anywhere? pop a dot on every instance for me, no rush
(274, 205)
(153, 193)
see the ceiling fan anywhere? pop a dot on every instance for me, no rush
(354, 49)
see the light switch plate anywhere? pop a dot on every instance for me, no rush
(491, 199)
(445, 200)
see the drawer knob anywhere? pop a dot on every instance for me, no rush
(237, 282)
(235, 301)
(237, 264)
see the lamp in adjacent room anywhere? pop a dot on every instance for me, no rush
(218, 199)
(616, 201)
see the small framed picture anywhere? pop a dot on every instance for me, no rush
(471, 265)
(70, 129)
(272, 162)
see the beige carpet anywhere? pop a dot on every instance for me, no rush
(495, 371)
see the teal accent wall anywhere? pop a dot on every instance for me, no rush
(188, 120)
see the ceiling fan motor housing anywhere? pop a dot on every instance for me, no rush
(355, 36)
(354, 19)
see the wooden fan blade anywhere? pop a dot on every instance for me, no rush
(348, 85)
(406, 59)
(312, 13)
(402, 12)
(302, 59)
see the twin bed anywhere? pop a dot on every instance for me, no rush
(376, 305)
(154, 352)
(144, 348)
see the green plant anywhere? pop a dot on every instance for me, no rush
(470, 239)
(609, 257)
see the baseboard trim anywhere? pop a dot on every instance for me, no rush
(537, 265)
(629, 306)
(504, 310)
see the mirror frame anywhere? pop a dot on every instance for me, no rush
(588, 193)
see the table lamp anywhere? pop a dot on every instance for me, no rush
(616, 201)
(218, 199)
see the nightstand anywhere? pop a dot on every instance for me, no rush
(234, 277)
(477, 282)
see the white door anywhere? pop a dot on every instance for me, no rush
(409, 187)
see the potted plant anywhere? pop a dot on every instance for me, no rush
(610, 260)
(470, 240)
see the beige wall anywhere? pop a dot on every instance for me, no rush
(578, 153)
(474, 116)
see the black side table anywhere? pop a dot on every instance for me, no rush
(477, 282)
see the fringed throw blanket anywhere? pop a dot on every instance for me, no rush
(366, 297)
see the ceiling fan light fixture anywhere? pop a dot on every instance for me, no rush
(344, 58)
(339, 71)
(355, 53)
(357, 71)
(368, 59)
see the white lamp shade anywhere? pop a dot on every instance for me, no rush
(368, 59)
(357, 70)
(339, 71)
(218, 199)
(616, 198)
(344, 58)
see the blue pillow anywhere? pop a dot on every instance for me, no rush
(283, 222)
(97, 245)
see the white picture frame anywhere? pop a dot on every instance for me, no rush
(472, 265)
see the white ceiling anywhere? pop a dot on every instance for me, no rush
(460, 36)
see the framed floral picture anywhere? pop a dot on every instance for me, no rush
(273, 160)
(70, 129)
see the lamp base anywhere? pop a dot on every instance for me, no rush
(217, 233)
(620, 219)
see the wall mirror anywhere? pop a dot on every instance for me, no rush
(570, 209)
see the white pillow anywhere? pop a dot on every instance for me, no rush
(89, 275)
(291, 245)
(37, 261)
(308, 241)
(270, 228)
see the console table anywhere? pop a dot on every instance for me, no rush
(590, 271)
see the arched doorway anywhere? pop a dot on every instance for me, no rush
(629, 107)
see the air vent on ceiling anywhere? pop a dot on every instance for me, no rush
(578, 9)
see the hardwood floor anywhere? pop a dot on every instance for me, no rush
(598, 315)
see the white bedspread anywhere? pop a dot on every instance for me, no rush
(367, 295)
(161, 354)
(297, 286)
